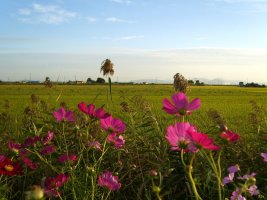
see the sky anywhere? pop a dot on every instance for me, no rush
(145, 39)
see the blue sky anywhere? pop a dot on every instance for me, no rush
(146, 39)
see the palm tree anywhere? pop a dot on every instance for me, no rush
(107, 67)
(180, 83)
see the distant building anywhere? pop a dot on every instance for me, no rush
(241, 84)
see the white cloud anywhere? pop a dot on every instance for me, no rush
(91, 19)
(49, 14)
(24, 11)
(121, 1)
(118, 20)
(131, 37)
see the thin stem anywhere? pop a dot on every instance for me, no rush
(182, 158)
(217, 173)
(193, 184)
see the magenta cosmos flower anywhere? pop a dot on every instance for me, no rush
(117, 140)
(201, 140)
(52, 184)
(112, 125)
(7, 167)
(180, 105)
(264, 155)
(179, 136)
(106, 179)
(48, 150)
(62, 115)
(230, 136)
(66, 157)
(95, 144)
(91, 111)
(48, 138)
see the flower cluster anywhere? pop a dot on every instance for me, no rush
(246, 187)
(182, 135)
(109, 181)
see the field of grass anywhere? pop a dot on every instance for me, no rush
(242, 110)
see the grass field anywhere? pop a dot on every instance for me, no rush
(232, 102)
(146, 149)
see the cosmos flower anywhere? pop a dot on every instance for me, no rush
(95, 144)
(47, 139)
(201, 140)
(109, 181)
(230, 136)
(91, 111)
(232, 170)
(7, 167)
(62, 115)
(237, 195)
(52, 184)
(229, 178)
(29, 163)
(48, 150)
(31, 141)
(180, 105)
(66, 157)
(112, 125)
(179, 137)
(117, 140)
(264, 155)
(15, 147)
(253, 190)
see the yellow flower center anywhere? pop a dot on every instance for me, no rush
(9, 168)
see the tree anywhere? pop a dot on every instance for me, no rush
(180, 83)
(191, 82)
(48, 82)
(107, 67)
(90, 81)
(100, 80)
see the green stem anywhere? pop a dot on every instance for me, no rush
(217, 171)
(182, 158)
(191, 179)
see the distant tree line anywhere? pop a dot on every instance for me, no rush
(252, 84)
(196, 83)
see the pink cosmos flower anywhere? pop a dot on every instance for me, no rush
(180, 105)
(90, 110)
(66, 157)
(52, 184)
(230, 136)
(253, 190)
(247, 176)
(95, 144)
(264, 155)
(112, 125)
(7, 167)
(62, 115)
(106, 179)
(30, 141)
(47, 139)
(118, 141)
(179, 136)
(15, 147)
(48, 150)
(29, 163)
(201, 140)
(233, 169)
(237, 195)
(229, 178)
(23, 153)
